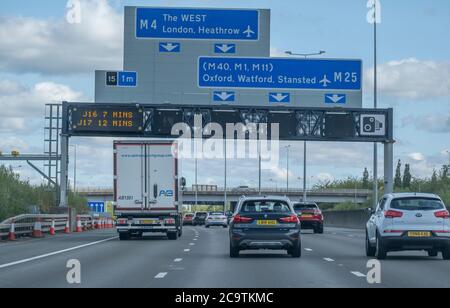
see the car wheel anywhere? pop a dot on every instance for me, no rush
(207, 227)
(380, 251)
(296, 251)
(173, 236)
(446, 253)
(319, 229)
(433, 253)
(124, 236)
(225, 226)
(370, 250)
(234, 252)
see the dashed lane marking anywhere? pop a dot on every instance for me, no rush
(358, 274)
(328, 259)
(178, 260)
(160, 276)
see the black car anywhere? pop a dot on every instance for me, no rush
(265, 223)
(199, 218)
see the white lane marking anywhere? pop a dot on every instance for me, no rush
(55, 253)
(187, 250)
(328, 259)
(195, 239)
(358, 274)
(191, 244)
(160, 275)
(308, 249)
(178, 260)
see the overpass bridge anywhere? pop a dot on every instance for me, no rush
(217, 196)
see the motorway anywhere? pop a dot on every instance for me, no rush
(199, 259)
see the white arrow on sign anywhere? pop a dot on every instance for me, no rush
(225, 47)
(279, 97)
(224, 95)
(335, 98)
(169, 46)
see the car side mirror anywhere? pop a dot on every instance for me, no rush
(371, 211)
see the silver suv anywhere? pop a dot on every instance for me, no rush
(409, 221)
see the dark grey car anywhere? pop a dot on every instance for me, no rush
(265, 223)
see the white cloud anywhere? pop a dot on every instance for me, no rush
(57, 47)
(8, 144)
(324, 177)
(277, 53)
(417, 156)
(435, 123)
(412, 79)
(19, 101)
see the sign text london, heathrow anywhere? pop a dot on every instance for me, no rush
(197, 24)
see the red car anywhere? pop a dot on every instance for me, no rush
(188, 219)
(310, 216)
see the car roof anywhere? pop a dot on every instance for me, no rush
(261, 198)
(412, 195)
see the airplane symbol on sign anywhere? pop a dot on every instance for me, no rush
(325, 81)
(249, 32)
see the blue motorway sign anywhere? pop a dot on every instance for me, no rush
(279, 73)
(97, 206)
(121, 79)
(197, 24)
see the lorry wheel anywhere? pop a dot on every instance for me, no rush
(446, 253)
(173, 236)
(124, 236)
(433, 253)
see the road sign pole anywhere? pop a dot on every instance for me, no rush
(225, 180)
(389, 167)
(63, 200)
(304, 171)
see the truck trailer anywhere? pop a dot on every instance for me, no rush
(147, 189)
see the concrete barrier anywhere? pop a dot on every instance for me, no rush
(355, 219)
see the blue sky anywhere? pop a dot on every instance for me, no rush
(414, 62)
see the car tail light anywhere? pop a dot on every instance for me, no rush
(242, 220)
(393, 231)
(393, 214)
(122, 221)
(290, 219)
(318, 215)
(169, 221)
(442, 214)
(441, 231)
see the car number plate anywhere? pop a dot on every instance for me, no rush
(419, 234)
(267, 222)
(150, 222)
(306, 216)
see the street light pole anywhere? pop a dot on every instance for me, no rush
(287, 168)
(375, 103)
(305, 55)
(74, 146)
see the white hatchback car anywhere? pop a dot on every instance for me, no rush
(216, 219)
(409, 221)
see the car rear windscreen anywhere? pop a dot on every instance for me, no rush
(265, 207)
(302, 207)
(417, 204)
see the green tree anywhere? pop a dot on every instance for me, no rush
(398, 175)
(434, 180)
(365, 183)
(407, 176)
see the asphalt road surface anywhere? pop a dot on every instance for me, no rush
(199, 259)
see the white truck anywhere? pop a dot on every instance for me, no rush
(147, 189)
